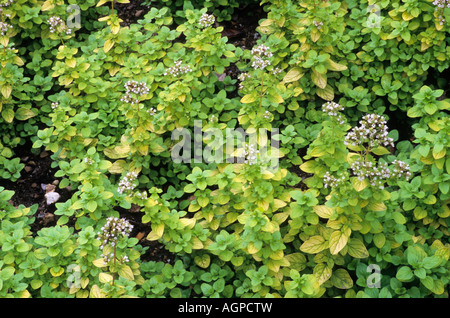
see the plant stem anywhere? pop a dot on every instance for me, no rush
(114, 265)
(261, 93)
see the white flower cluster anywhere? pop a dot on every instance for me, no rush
(377, 175)
(267, 114)
(54, 105)
(261, 54)
(151, 111)
(250, 153)
(206, 20)
(440, 6)
(107, 258)
(330, 181)
(6, 3)
(333, 109)
(276, 71)
(242, 77)
(4, 27)
(401, 169)
(89, 161)
(372, 130)
(177, 69)
(318, 24)
(142, 195)
(113, 230)
(135, 88)
(57, 25)
(127, 182)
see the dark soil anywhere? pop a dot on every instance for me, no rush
(38, 172)
(29, 188)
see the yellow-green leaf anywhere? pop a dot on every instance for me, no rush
(296, 261)
(105, 278)
(308, 166)
(379, 206)
(326, 93)
(102, 2)
(341, 279)
(108, 45)
(314, 245)
(47, 5)
(8, 115)
(277, 204)
(338, 240)
(315, 35)
(323, 211)
(71, 62)
(357, 249)
(249, 98)
(24, 113)
(318, 152)
(275, 98)
(96, 292)
(333, 66)
(379, 151)
(99, 262)
(188, 222)
(252, 249)
(319, 79)
(121, 151)
(6, 91)
(126, 272)
(202, 261)
(322, 272)
(359, 185)
(293, 75)
(379, 239)
(156, 233)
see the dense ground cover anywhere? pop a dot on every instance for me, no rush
(345, 194)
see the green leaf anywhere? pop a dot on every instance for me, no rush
(379, 239)
(415, 255)
(379, 151)
(404, 274)
(22, 247)
(314, 245)
(24, 113)
(398, 218)
(8, 115)
(91, 206)
(357, 249)
(430, 262)
(341, 279)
